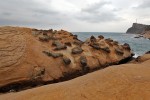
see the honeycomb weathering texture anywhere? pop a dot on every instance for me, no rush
(30, 57)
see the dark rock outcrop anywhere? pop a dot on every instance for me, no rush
(101, 37)
(148, 52)
(138, 28)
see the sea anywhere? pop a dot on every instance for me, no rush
(138, 45)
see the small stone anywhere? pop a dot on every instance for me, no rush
(45, 34)
(77, 50)
(106, 49)
(147, 52)
(101, 37)
(109, 40)
(42, 71)
(66, 60)
(92, 39)
(127, 46)
(68, 44)
(132, 54)
(44, 38)
(138, 58)
(75, 37)
(78, 42)
(50, 30)
(38, 72)
(12, 90)
(47, 53)
(56, 43)
(119, 52)
(59, 45)
(54, 32)
(83, 60)
(115, 42)
(95, 46)
(54, 55)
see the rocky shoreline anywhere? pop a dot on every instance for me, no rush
(32, 57)
(33, 60)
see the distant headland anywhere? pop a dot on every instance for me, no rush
(141, 29)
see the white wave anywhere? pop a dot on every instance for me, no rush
(136, 55)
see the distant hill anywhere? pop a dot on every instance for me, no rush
(138, 28)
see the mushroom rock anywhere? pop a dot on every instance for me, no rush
(148, 52)
(101, 37)
(31, 57)
(77, 50)
(92, 39)
(66, 60)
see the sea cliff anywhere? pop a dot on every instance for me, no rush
(141, 29)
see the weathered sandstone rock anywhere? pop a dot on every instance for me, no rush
(121, 82)
(31, 57)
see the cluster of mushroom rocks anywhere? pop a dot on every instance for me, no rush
(49, 56)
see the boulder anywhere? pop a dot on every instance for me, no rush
(92, 39)
(127, 46)
(148, 52)
(115, 42)
(66, 60)
(106, 49)
(68, 44)
(54, 55)
(59, 45)
(83, 61)
(44, 38)
(95, 46)
(78, 42)
(109, 40)
(75, 37)
(119, 51)
(101, 37)
(77, 50)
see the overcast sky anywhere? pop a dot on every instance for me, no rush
(75, 15)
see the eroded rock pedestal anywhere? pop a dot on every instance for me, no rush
(31, 57)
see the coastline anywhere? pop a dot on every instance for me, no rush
(39, 57)
(49, 61)
(141, 30)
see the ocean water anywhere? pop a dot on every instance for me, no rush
(138, 45)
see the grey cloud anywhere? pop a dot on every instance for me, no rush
(100, 17)
(95, 7)
(43, 11)
(6, 14)
(97, 13)
(144, 4)
(59, 14)
(29, 13)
